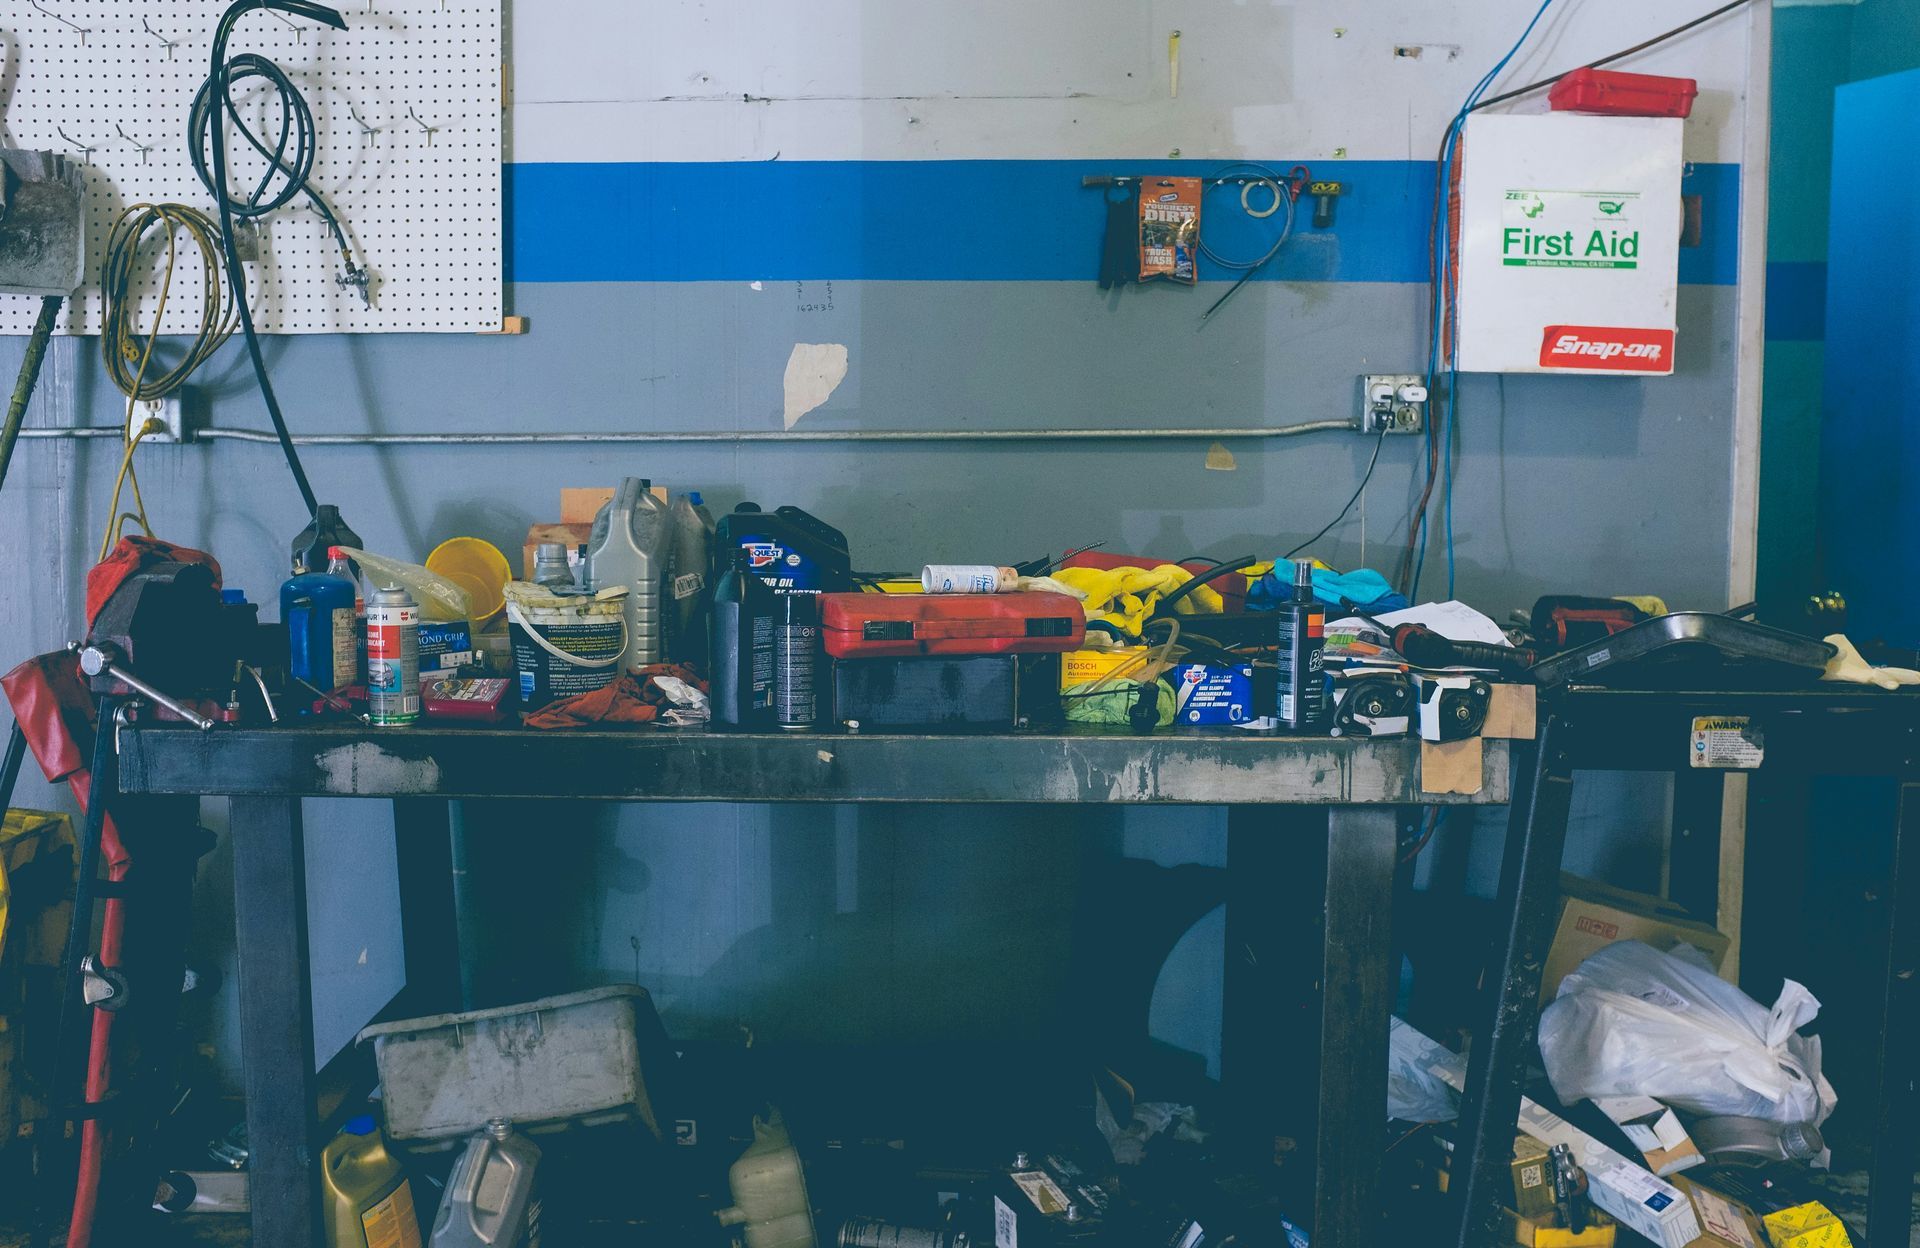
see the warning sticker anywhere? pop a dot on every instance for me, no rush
(1726, 742)
(1045, 1194)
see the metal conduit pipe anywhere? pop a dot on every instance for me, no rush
(708, 435)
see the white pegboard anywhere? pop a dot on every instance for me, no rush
(421, 209)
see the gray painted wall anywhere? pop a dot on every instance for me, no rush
(828, 923)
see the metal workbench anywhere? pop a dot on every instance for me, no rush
(1336, 798)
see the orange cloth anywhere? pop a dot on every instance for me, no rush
(631, 699)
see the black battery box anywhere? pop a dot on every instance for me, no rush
(979, 692)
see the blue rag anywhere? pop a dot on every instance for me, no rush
(1363, 587)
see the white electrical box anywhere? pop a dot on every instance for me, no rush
(1568, 244)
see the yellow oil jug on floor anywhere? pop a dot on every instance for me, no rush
(365, 1200)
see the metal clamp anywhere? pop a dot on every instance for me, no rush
(100, 658)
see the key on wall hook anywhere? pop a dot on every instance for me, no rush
(86, 152)
(431, 130)
(142, 148)
(168, 44)
(41, 8)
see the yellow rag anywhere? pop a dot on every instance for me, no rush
(1126, 597)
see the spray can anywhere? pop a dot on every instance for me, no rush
(968, 578)
(393, 657)
(743, 626)
(1302, 639)
(796, 651)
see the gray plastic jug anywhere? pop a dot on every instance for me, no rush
(629, 547)
(491, 1201)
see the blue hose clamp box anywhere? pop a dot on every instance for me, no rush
(1207, 695)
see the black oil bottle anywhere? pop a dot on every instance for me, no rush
(1302, 639)
(743, 636)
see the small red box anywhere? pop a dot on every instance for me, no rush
(1623, 95)
(869, 626)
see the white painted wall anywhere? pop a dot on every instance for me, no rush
(610, 80)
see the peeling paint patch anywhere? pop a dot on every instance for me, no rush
(370, 768)
(756, 286)
(814, 371)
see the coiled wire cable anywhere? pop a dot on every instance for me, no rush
(1283, 201)
(128, 354)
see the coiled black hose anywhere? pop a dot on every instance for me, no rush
(213, 110)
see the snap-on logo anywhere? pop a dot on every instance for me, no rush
(1602, 347)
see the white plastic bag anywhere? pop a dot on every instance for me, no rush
(1634, 1021)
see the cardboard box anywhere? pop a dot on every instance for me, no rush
(1636, 1197)
(1532, 1178)
(1212, 696)
(1078, 667)
(579, 504)
(1654, 1130)
(1594, 915)
(1546, 1232)
(1761, 1208)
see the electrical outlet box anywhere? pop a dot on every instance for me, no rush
(165, 411)
(1393, 402)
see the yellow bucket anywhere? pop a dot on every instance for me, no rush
(478, 567)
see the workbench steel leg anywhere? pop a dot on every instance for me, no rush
(1529, 890)
(1358, 981)
(1693, 855)
(276, 1018)
(1270, 1032)
(429, 925)
(1890, 1193)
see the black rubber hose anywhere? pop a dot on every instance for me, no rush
(218, 86)
(29, 377)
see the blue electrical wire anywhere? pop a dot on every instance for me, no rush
(1445, 291)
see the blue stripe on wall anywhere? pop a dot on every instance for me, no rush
(1796, 300)
(964, 220)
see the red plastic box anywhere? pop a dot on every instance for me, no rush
(868, 626)
(1623, 95)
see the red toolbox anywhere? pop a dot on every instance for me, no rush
(871, 626)
(1616, 94)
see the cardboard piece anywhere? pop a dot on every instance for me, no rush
(1451, 766)
(1761, 1208)
(1532, 1178)
(1636, 1197)
(580, 503)
(1512, 713)
(1545, 1232)
(1655, 1130)
(1594, 915)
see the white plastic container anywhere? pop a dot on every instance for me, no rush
(492, 1198)
(577, 1059)
(629, 546)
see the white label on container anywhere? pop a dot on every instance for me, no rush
(1006, 1228)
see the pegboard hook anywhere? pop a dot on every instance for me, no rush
(366, 131)
(86, 152)
(299, 31)
(142, 148)
(43, 9)
(431, 130)
(168, 44)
